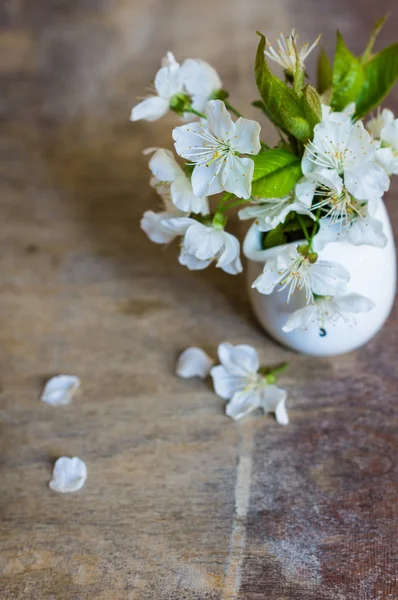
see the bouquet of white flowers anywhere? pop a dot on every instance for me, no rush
(323, 182)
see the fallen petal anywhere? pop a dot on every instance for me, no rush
(69, 475)
(193, 362)
(59, 390)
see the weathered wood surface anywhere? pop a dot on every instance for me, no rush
(180, 502)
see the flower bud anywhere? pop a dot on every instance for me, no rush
(303, 249)
(219, 220)
(312, 257)
(179, 103)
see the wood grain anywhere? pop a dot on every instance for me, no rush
(180, 502)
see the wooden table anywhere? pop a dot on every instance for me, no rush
(180, 502)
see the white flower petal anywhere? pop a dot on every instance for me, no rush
(169, 60)
(150, 109)
(375, 125)
(183, 197)
(69, 475)
(200, 78)
(178, 225)
(206, 179)
(168, 81)
(367, 181)
(230, 252)
(304, 191)
(389, 134)
(327, 234)
(191, 262)
(366, 231)
(388, 160)
(247, 136)
(225, 383)
(219, 120)
(152, 224)
(59, 390)
(237, 175)
(204, 242)
(240, 360)
(193, 362)
(242, 403)
(164, 166)
(301, 318)
(328, 278)
(189, 140)
(274, 401)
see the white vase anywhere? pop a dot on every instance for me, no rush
(373, 274)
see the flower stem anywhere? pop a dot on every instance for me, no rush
(270, 374)
(304, 228)
(195, 112)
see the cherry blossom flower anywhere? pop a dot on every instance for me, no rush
(214, 148)
(69, 475)
(295, 270)
(205, 243)
(384, 128)
(328, 310)
(167, 84)
(193, 362)
(347, 150)
(285, 55)
(237, 379)
(269, 212)
(360, 229)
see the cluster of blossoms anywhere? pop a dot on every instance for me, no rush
(323, 183)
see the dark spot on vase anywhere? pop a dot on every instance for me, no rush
(322, 332)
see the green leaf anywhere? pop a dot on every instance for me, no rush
(281, 103)
(324, 72)
(373, 36)
(312, 105)
(381, 72)
(297, 126)
(273, 238)
(348, 76)
(275, 173)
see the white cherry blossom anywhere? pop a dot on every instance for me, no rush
(384, 128)
(328, 311)
(214, 148)
(60, 390)
(293, 270)
(194, 362)
(347, 150)
(200, 80)
(205, 243)
(168, 172)
(269, 212)
(69, 475)
(167, 84)
(237, 379)
(285, 55)
(360, 229)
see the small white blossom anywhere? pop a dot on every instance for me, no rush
(213, 149)
(200, 80)
(69, 475)
(193, 362)
(167, 83)
(168, 173)
(285, 55)
(360, 229)
(270, 212)
(347, 150)
(206, 244)
(292, 270)
(384, 128)
(237, 379)
(328, 311)
(60, 390)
